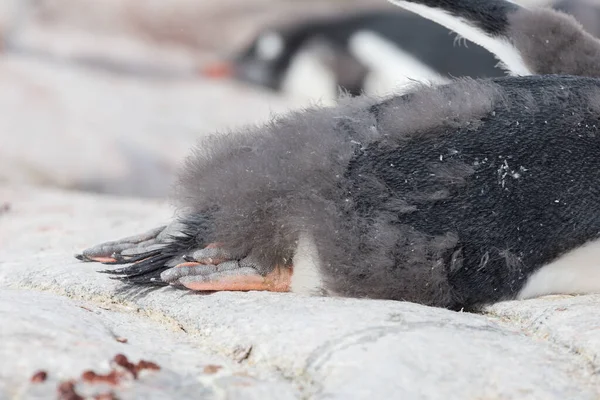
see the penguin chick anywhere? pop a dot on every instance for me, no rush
(587, 12)
(453, 196)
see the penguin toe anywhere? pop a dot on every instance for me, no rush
(213, 254)
(231, 275)
(126, 250)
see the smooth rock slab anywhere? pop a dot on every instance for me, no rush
(71, 127)
(64, 338)
(572, 322)
(326, 347)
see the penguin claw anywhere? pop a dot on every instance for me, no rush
(89, 258)
(124, 251)
(168, 256)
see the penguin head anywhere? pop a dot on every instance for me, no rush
(302, 60)
(265, 61)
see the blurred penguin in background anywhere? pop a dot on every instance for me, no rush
(376, 53)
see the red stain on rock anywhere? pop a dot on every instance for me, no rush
(106, 396)
(112, 378)
(134, 369)
(212, 369)
(143, 364)
(39, 377)
(66, 391)
(122, 361)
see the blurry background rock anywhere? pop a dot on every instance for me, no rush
(106, 96)
(195, 24)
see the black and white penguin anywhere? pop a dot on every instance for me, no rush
(375, 52)
(455, 195)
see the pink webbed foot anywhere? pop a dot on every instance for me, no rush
(214, 269)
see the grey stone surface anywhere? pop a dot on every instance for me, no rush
(193, 24)
(45, 332)
(70, 127)
(288, 345)
(569, 321)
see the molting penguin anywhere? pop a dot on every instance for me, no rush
(454, 196)
(374, 52)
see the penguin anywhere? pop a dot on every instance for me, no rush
(373, 52)
(587, 12)
(376, 53)
(456, 195)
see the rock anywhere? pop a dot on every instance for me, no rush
(304, 347)
(571, 322)
(65, 338)
(107, 97)
(75, 128)
(193, 24)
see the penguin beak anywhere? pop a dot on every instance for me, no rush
(218, 70)
(243, 70)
